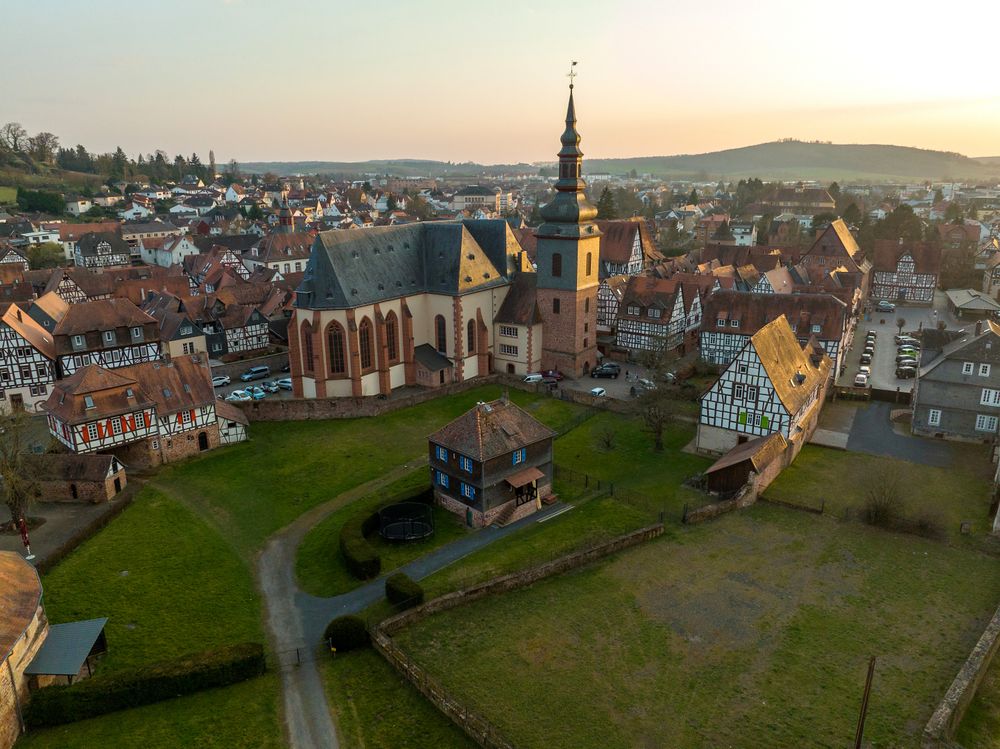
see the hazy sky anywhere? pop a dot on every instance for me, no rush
(295, 80)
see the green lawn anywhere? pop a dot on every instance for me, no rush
(375, 707)
(7, 195)
(949, 495)
(752, 630)
(319, 566)
(980, 729)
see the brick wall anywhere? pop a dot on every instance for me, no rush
(13, 682)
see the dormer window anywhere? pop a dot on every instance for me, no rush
(734, 323)
(137, 332)
(78, 341)
(88, 401)
(109, 336)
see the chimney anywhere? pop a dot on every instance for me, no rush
(18, 314)
(979, 326)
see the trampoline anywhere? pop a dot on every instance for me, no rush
(406, 521)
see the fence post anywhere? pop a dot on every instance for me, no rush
(684, 515)
(612, 488)
(586, 480)
(298, 659)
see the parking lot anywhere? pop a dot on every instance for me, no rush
(238, 384)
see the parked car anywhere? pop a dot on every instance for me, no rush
(553, 374)
(870, 350)
(906, 361)
(256, 373)
(598, 392)
(257, 393)
(270, 386)
(645, 384)
(865, 370)
(908, 350)
(903, 338)
(239, 396)
(871, 334)
(285, 383)
(906, 373)
(866, 359)
(885, 306)
(536, 377)
(608, 369)
(220, 380)
(861, 380)
(670, 378)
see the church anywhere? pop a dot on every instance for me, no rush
(434, 303)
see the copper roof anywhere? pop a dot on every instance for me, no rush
(20, 596)
(489, 430)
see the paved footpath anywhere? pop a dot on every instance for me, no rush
(296, 620)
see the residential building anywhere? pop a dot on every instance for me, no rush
(69, 234)
(166, 251)
(77, 205)
(110, 332)
(774, 384)
(517, 328)
(652, 315)
(27, 361)
(905, 273)
(471, 197)
(957, 395)
(104, 250)
(493, 464)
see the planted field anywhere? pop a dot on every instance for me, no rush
(754, 630)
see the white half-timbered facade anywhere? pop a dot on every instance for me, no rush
(10, 256)
(26, 368)
(252, 335)
(905, 273)
(773, 385)
(102, 250)
(105, 433)
(110, 358)
(232, 423)
(650, 318)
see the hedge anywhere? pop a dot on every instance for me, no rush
(361, 558)
(346, 633)
(403, 591)
(53, 706)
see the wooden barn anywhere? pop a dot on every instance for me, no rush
(732, 470)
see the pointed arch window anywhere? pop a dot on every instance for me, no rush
(365, 344)
(556, 265)
(335, 341)
(392, 337)
(308, 356)
(440, 334)
(471, 335)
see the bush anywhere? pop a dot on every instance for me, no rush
(346, 633)
(883, 501)
(403, 591)
(53, 706)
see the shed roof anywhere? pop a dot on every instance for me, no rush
(759, 451)
(66, 648)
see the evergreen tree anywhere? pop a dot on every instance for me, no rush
(852, 214)
(834, 190)
(606, 209)
(693, 197)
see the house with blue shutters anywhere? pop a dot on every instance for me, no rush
(492, 465)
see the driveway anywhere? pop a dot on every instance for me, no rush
(872, 432)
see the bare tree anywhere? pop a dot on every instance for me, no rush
(900, 322)
(658, 408)
(606, 438)
(17, 484)
(883, 497)
(13, 136)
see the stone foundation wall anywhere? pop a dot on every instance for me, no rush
(13, 682)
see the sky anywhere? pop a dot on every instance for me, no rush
(293, 80)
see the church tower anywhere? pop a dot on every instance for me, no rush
(567, 256)
(286, 223)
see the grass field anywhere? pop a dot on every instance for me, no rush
(948, 495)
(980, 728)
(7, 195)
(753, 630)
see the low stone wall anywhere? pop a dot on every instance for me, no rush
(478, 728)
(940, 729)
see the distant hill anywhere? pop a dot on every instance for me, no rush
(777, 160)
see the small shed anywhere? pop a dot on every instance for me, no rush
(731, 471)
(68, 652)
(433, 369)
(971, 303)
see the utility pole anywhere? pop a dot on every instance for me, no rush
(860, 734)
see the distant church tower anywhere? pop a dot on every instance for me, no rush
(286, 223)
(567, 256)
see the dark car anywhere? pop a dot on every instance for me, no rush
(885, 306)
(866, 359)
(871, 334)
(906, 361)
(608, 369)
(552, 374)
(906, 373)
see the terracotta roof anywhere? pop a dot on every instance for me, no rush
(20, 596)
(649, 291)
(229, 412)
(30, 330)
(70, 466)
(791, 373)
(108, 391)
(754, 311)
(764, 258)
(489, 430)
(520, 306)
(926, 257)
(101, 314)
(280, 246)
(175, 385)
(73, 232)
(618, 237)
(968, 232)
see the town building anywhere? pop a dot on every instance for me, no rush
(166, 251)
(67, 477)
(774, 384)
(957, 394)
(971, 304)
(471, 197)
(27, 361)
(493, 464)
(104, 250)
(652, 315)
(109, 332)
(905, 273)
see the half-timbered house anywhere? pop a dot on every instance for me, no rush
(11, 257)
(493, 464)
(774, 384)
(110, 332)
(905, 273)
(102, 250)
(232, 423)
(628, 249)
(652, 315)
(732, 317)
(27, 361)
(991, 276)
(836, 251)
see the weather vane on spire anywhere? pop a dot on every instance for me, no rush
(572, 73)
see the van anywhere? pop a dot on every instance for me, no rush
(256, 373)
(533, 378)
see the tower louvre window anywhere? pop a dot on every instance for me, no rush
(556, 265)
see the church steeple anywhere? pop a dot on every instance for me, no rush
(570, 205)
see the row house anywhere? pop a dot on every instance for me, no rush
(652, 315)
(109, 332)
(206, 269)
(102, 250)
(178, 332)
(228, 327)
(27, 361)
(627, 249)
(145, 415)
(133, 232)
(906, 273)
(774, 385)
(731, 318)
(70, 234)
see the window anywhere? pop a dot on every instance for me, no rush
(508, 350)
(137, 332)
(365, 344)
(742, 368)
(816, 328)
(633, 309)
(586, 304)
(88, 401)
(654, 313)
(518, 456)
(442, 479)
(734, 323)
(469, 492)
(392, 337)
(5, 375)
(934, 417)
(471, 336)
(116, 426)
(986, 423)
(589, 263)
(990, 397)
(335, 344)
(984, 370)
(38, 390)
(508, 331)
(739, 390)
(308, 357)
(465, 463)
(92, 431)
(187, 348)
(720, 323)
(25, 373)
(440, 334)
(441, 453)
(78, 340)
(967, 367)
(109, 336)
(555, 306)
(187, 417)
(556, 265)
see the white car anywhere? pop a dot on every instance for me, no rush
(861, 380)
(220, 380)
(239, 396)
(865, 370)
(598, 392)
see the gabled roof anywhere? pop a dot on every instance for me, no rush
(984, 347)
(760, 451)
(754, 311)
(520, 306)
(109, 392)
(88, 243)
(836, 238)
(618, 238)
(791, 373)
(101, 314)
(491, 429)
(178, 384)
(926, 256)
(972, 300)
(29, 329)
(648, 291)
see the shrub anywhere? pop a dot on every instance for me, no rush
(346, 633)
(56, 705)
(883, 500)
(403, 591)
(929, 525)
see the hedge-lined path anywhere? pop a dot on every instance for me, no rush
(296, 620)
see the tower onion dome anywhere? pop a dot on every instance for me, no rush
(570, 205)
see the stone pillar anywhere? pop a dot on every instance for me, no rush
(459, 339)
(406, 330)
(319, 355)
(353, 354)
(295, 354)
(382, 353)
